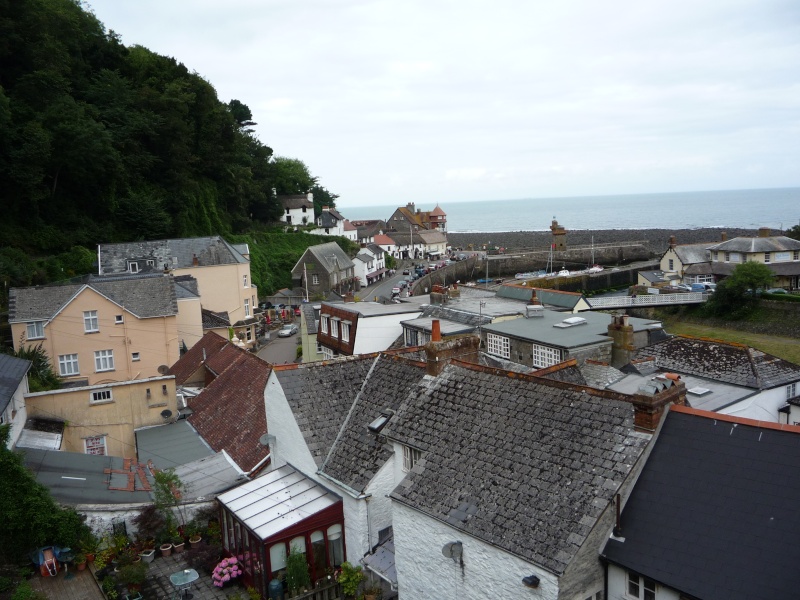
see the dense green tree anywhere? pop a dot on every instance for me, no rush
(322, 197)
(738, 294)
(291, 176)
(793, 232)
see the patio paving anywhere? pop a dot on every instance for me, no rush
(158, 585)
(79, 586)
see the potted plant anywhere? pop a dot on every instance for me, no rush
(133, 576)
(350, 578)
(89, 545)
(177, 542)
(227, 569)
(150, 522)
(193, 533)
(80, 561)
(148, 554)
(372, 591)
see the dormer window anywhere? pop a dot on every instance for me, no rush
(410, 457)
(133, 267)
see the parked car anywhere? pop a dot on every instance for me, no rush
(405, 271)
(395, 291)
(403, 284)
(287, 330)
(776, 291)
(265, 305)
(685, 287)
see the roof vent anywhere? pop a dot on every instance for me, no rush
(534, 310)
(698, 391)
(570, 322)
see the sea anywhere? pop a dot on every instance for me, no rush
(777, 208)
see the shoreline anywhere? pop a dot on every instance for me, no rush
(655, 239)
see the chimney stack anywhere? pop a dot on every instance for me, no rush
(436, 331)
(652, 398)
(195, 262)
(439, 353)
(672, 242)
(724, 236)
(764, 232)
(621, 334)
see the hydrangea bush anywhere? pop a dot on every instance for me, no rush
(226, 570)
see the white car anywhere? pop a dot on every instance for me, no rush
(287, 330)
(395, 291)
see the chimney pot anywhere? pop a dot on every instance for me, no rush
(436, 331)
(724, 236)
(672, 242)
(764, 232)
(195, 262)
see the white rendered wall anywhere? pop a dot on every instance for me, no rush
(17, 408)
(423, 572)
(618, 585)
(355, 525)
(375, 334)
(291, 446)
(380, 507)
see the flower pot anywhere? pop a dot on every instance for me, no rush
(81, 566)
(194, 541)
(166, 549)
(90, 557)
(178, 547)
(148, 555)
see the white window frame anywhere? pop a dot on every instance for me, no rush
(135, 357)
(345, 332)
(315, 279)
(91, 324)
(247, 307)
(95, 445)
(319, 347)
(671, 264)
(545, 356)
(103, 360)
(244, 281)
(498, 345)
(68, 365)
(640, 587)
(410, 457)
(38, 330)
(791, 390)
(119, 319)
(334, 328)
(782, 257)
(323, 324)
(133, 267)
(101, 396)
(767, 257)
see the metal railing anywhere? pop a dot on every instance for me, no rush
(647, 300)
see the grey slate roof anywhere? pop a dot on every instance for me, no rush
(329, 218)
(732, 363)
(520, 464)
(690, 254)
(207, 477)
(320, 395)
(171, 445)
(144, 296)
(176, 253)
(714, 511)
(357, 453)
(549, 297)
(600, 376)
(12, 374)
(438, 311)
(311, 316)
(186, 287)
(330, 255)
(778, 243)
(214, 320)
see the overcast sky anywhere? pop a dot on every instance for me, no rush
(389, 101)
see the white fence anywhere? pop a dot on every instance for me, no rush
(647, 300)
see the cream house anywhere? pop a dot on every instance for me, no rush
(222, 271)
(101, 419)
(104, 330)
(780, 253)
(690, 263)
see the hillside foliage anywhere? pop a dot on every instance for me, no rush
(106, 143)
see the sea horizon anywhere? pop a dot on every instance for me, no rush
(777, 208)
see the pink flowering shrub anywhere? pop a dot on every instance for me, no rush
(226, 570)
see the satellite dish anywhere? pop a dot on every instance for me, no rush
(452, 550)
(163, 369)
(166, 413)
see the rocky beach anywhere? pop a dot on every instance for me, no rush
(656, 240)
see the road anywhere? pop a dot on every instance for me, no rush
(280, 350)
(383, 288)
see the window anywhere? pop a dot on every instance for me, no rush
(68, 365)
(411, 337)
(101, 396)
(95, 445)
(247, 307)
(727, 257)
(334, 328)
(335, 545)
(767, 257)
(324, 324)
(318, 553)
(315, 279)
(249, 334)
(319, 347)
(104, 360)
(244, 280)
(151, 263)
(641, 587)
(544, 356)
(90, 324)
(498, 345)
(133, 267)
(716, 255)
(671, 265)
(35, 330)
(410, 457)
(781, 257)
(796, 255)
(791, 391)
(277, 559)
(345, 332)
(135, 356)
(119, 319)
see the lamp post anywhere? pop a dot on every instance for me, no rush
(481, 304)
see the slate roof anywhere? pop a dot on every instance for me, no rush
(778, 243)
(433, 237)
(529, 465)
(214, 320)
(188, 364)
(320, 395)
(170, 445)
(310, 315)
(438, 311)
(714, 511)
(558, 298)
(357, 454)
(690, 254)
(186, 286)
(330, 218)
(229, 413)
(731, 363)
(12, 374)
(781, 268)
(175, 253)
(567, 371)
(143, 296)
(331, 257)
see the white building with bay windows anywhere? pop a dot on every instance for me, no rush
(780, 253)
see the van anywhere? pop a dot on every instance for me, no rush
(703, 287)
